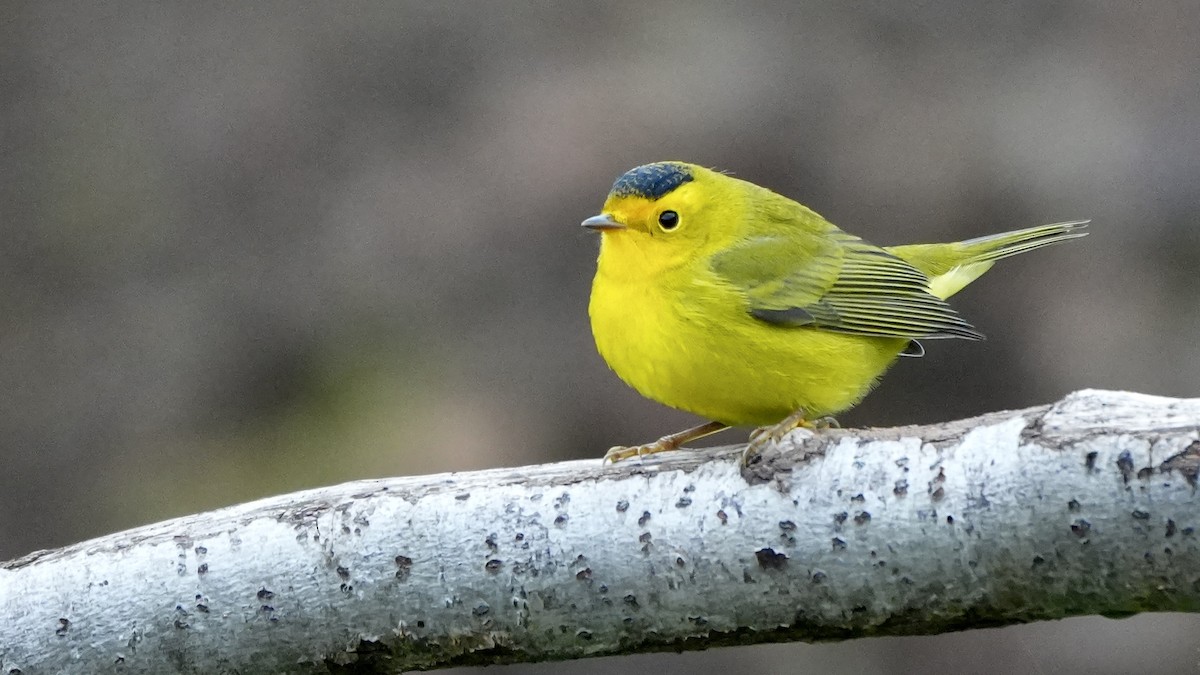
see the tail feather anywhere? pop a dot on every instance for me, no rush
(950, 267)
(1005, 244)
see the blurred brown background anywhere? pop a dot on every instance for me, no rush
(253, 249)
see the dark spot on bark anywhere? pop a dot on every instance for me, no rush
(1125, 465)
(644, 519)
(202, 608)
(603, 588)
(839, 544)
(1170, 527)
(645, 537)
(901, 488)
(343, 572)
(263, 594)
(561, 519)
(420, 624)
(862, 518)
(859, 498)
(722, 516)
(403, 567)
(818, 576)
(520, 537)
(787, 526)
(839, 518)
(64, 625)
(1038, 560)
(481, 609)
(949, 520)
(1140, 514)
(180, 624)
(583, 634)
(1188, 531)
(490, 541)
(683, 502)
(200, 550)
(698, 620)
(1081, 527)
(938, 494)
(746, 578)
(1090, 460)
(1186, 462)
(691, 487)
(1144, 473)
(631, 600)
(622, 506)
(584, 574)
(770, 559)
(1073, 505)
(463, 497)
(202, 568)
(492, 566)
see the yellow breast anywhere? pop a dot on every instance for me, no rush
(680, 336)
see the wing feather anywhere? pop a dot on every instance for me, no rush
(835, 281)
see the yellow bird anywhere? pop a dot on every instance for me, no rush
(722, 298)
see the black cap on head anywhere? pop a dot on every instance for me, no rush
(652, 180)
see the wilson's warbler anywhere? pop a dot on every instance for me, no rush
(722, 298)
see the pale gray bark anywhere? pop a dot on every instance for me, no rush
(1085, 507)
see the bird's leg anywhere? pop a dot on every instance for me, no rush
(762, 437)
(665, 443)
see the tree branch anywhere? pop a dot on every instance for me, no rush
(1085, 507)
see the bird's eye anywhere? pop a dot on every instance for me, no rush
(668, 220)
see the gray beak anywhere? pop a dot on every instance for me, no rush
(602, 222)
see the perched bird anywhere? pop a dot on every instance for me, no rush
(722, 298)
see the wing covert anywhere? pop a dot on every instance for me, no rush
(836, 281)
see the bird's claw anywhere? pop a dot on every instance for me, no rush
(764, 437)
(820, 423)
(670, 442)
(620, 452)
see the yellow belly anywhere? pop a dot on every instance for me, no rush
(687, 342)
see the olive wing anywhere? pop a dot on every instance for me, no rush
(836, 281)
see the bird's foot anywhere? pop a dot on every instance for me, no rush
(671, 442)
(825, 422)
(620, 452)
(764, 437)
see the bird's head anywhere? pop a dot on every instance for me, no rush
(665, 211)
